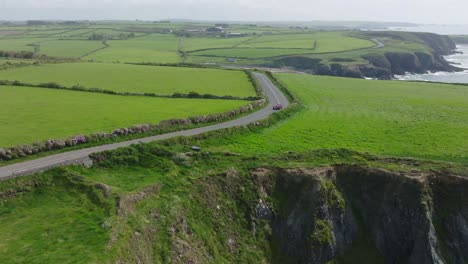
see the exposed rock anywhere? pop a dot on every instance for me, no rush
(232, 245)
(414, 218)
(262, 211)
(2, 154)
(59, 144)
(107, 190)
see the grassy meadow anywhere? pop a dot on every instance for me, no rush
(34, 114)
(157, 48)
(136, 78)
(391, 118)
(265, 46)
(250, 53)
(325, 42)
(17, 44)
(200, 43)
(69, 48)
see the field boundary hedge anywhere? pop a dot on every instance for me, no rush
(275, 118)
(143, 130)
(165, 126)
(191, 95)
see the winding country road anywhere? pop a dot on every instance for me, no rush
(379, 44)
(77, 156)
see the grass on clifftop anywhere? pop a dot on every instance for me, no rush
(403, 119)
(52, 225)
(165, 205)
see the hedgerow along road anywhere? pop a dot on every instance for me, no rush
(274, 95)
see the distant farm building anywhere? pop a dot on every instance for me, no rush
(235, 35)
(215, 30)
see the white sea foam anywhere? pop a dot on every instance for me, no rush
(461, 61)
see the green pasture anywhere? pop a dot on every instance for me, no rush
(11, 33)
(51, 47)
(48, 32)
(77, 33)
(403, 119)
(18, 44)
(69, 48)
(265, 46)
(157, 48)
(326, 41)
(34, 114)
(136, 78)
(198, 43)
(252, 53)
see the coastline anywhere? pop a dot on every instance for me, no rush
(458, 59)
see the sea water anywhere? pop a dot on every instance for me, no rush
(459, 60)
(438, 29)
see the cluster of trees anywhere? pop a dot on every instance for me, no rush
(49, 23)
(17, 54)
(53, 85)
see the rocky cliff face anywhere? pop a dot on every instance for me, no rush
(384, 64)
(316, 215)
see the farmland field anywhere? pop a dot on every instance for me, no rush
(191, 44)
(326, 42)
(135, 78)
(51, 32)
(152, 48)
(68, 48)
(381, 117)
(47, 113)
(250, 52)
(17, 44)
(288, 44)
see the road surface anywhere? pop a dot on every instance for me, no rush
(379, 44)
(274, 95)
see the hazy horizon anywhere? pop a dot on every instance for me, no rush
(450, 12)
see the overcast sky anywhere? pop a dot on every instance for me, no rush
(419, 11)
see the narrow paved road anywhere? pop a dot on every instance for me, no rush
(28, 167)
(379, 44)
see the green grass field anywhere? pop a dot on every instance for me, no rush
(51, 47)
(152, 48)
(47, 223)
(326, 42)
(69, 48)
(288, 44)
(17, 44)
(135, 78)
(381, 117)
(49, 32)
(250, 53)
(191, 44)
(34, 114)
